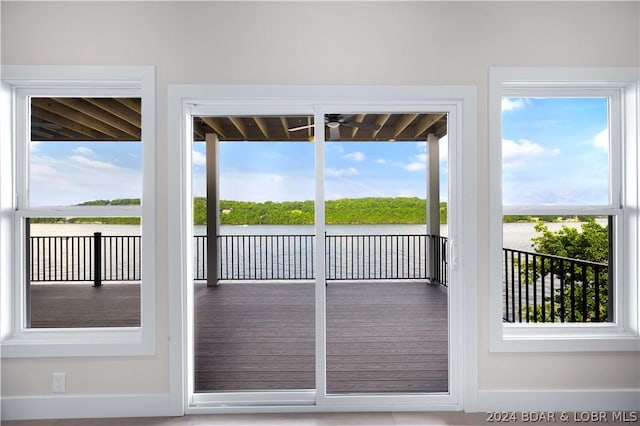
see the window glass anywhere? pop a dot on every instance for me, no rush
(83, 150)
(83, 272)
(555, 159)
(555, 151)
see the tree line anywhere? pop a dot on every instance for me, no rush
(348, 211)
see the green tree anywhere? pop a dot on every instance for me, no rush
(590, 244)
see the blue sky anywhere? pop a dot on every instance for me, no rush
(284, 171)
(555, 151)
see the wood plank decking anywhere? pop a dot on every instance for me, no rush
(381, 336)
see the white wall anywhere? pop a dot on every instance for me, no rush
(425, 43)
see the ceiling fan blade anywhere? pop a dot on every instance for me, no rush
(334, 133)
(366, 126)
(293, 129)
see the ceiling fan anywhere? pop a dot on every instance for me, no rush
(334, 121)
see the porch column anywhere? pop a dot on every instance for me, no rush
(213, 221)
(433, 206)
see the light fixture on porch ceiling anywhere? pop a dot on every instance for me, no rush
(334, 121)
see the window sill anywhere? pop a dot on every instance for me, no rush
(565, 338)
(78, 343)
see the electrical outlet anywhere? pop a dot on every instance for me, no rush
(59, 382)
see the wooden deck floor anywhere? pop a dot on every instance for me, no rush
(381, 337)
(82, 305)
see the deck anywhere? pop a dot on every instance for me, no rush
(381, 336)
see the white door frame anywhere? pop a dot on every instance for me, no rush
(459, 102)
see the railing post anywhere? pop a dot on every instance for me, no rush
(97, 258)
(213, 209)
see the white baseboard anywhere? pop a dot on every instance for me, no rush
(559, 400)
(85, 406)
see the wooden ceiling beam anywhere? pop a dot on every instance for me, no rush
(237, 122)
(262, 125)
(425, 123)
(381, 120)
(359, 118)
(134, 104)
(116, 108)
(197, 131)
(74, 115)
(215, 126)
(64, 122)
(285, 126)
(100, 114)
(403, 122)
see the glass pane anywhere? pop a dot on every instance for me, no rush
(83, 272)
(255, 323)
(386, 269)
(83, 150)
(555, 151)
(556, 269)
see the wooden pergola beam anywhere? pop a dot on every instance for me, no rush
(381, 120)
(76, 116)
(359, 118)
(101, 115)
(64, 122)
(134, 104)
(237, 122)
(262, 125)
(116, 108)
(285, 126)
(211, 122)
(425, 123)
(402, 123)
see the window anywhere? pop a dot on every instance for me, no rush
(78, 261)
(564, 216)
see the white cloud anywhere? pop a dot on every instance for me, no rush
(601, 140)
(76, 179)
(34, 146)
(354, 156)
(510, 104)
(97, 164)
(416, 166)
(83, 150)
(198, 158)
(381, 161)
(351, 171)
(259, 187)
(518, 154)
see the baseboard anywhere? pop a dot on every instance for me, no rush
(559, 400)
(84, 406)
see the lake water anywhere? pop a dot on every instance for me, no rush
(515, 235)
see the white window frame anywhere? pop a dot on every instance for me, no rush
(18, 84)
(621, 86)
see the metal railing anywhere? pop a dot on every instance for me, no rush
(79, 258)
(373, 257)
(544, 288)
(246, 257)
(347, 257)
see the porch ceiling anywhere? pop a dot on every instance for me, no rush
(118, 119)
